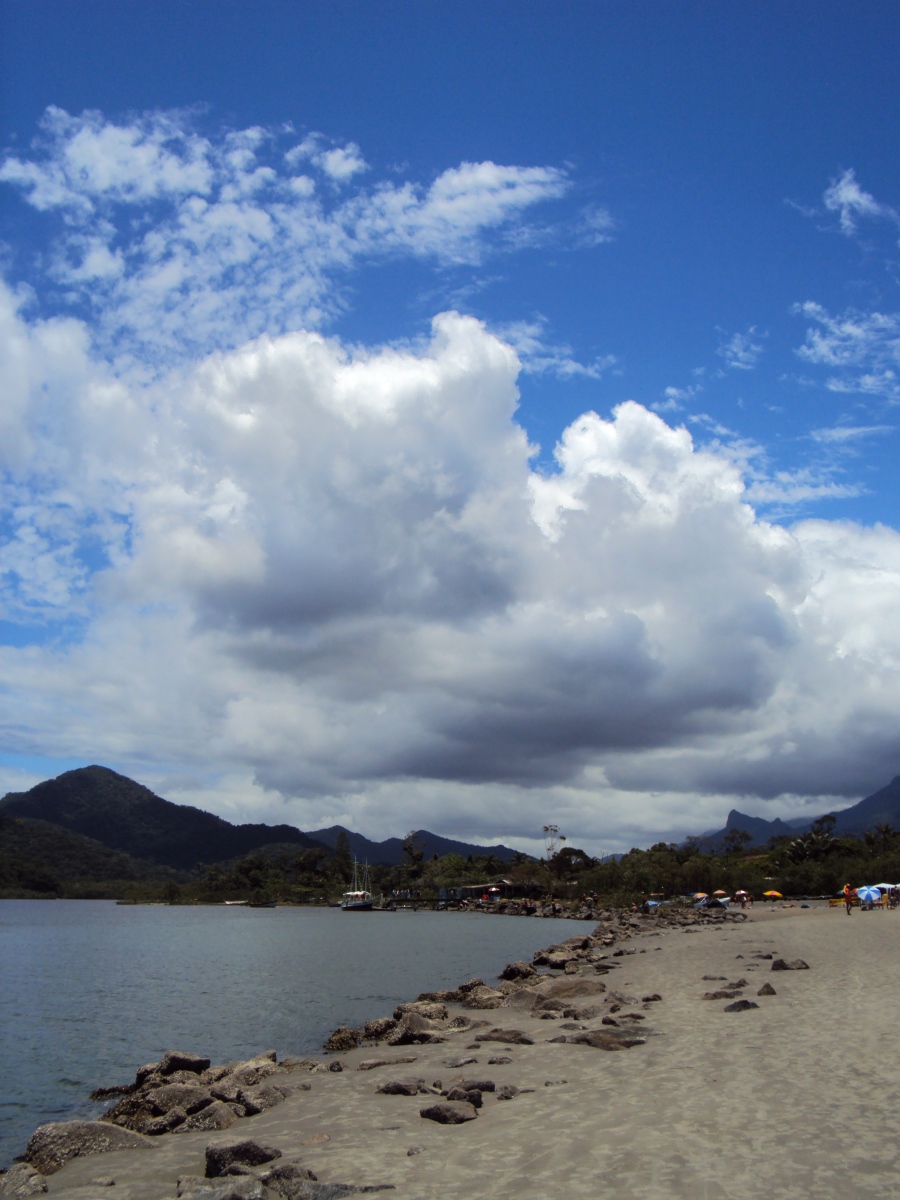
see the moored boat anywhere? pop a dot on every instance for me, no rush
(359, 898)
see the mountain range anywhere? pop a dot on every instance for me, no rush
(881, 808)
(111, 810)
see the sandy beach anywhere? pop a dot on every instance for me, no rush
(794, 1098)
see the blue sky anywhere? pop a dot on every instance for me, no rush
(690, 210)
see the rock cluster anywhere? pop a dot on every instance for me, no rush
(184, 1092)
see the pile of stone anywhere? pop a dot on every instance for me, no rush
(184, 1092)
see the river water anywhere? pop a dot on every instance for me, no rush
(90, 990)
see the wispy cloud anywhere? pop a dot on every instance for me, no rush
(861, 348)
(538, 356)
(839, 435)
(182, 242)
(741, 351)
(674, 398)
(845, 197)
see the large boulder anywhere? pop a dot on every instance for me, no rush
(445, 996)
(217, 1115)
(343, 1039)
(518, 970)
(244, 1151)
(258, 1099)
(164, 1124)
(432, 1010)
(483, 997)
(380, 1027)
(449, 1112)
(413, 1029)
(51, 1146)
(469, 984)
(182, 1060)
(191, 1099)
(22, 1180)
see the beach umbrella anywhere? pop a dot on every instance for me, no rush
(885, 887)
(699, 895)
(774, 894)
(869, 895)
(741, 892)
(720, 892)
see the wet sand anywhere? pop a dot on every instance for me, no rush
(793, 1099)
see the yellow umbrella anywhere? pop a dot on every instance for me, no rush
(774, 893)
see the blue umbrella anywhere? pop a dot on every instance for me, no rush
(869, 895)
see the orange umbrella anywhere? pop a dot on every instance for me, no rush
(720, 892)
(699, 895)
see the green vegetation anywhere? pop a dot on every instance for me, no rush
(46, 851)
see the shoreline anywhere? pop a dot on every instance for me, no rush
(699, 1089)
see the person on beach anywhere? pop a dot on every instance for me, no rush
(848, 898)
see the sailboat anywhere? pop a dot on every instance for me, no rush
(358, 899)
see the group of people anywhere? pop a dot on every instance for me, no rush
(889, 898)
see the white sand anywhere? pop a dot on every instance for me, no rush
(795, 1099)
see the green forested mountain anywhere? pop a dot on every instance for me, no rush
(101, 804)
(45, 859)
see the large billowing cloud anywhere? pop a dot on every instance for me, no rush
(293, 570)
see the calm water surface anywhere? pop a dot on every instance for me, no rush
(90, 990)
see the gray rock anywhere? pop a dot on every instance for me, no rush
(193, 1187)
(656, 996)
(182, 1060)
(399, 1087)
(518, 970)
(374, 1031)
(432, 1010)
(285, 1172)
(498, 1060)
(259, 1099)
(145, 1072)
(227, 1089)
(215, 1116)
(343, 1039)
(51, 1146)
(449, 1112)
(371, 1064)
(796, 964)
(22, 1180)
(515, 1037)
(454, 1063)
(507, 1091)
(767, 990)
(469, 985)
(481, 1085)
(483, 997)
(605, 1039)
(413, 1029)
(165, 1124)
(466, 1095)
(191, 1099)
(244, 1151)
(740, 1006)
